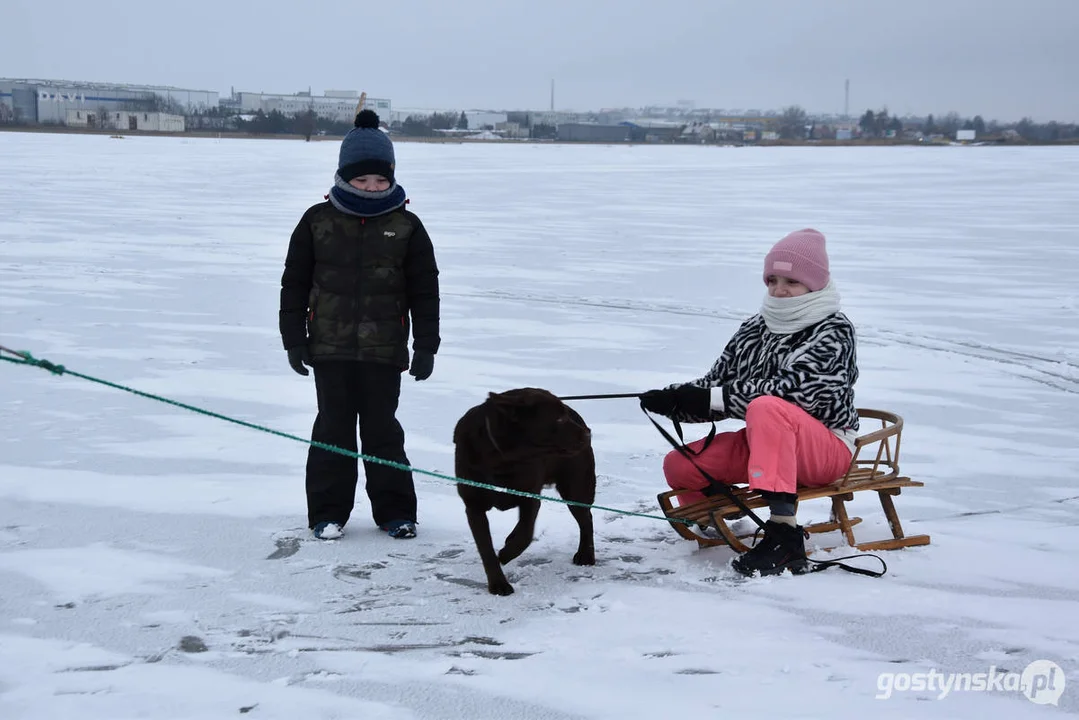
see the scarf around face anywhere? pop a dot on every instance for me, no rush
(784, 316)
(362, 203)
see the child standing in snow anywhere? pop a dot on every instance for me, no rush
(360, 270)
(789, 373)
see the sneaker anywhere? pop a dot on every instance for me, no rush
(327, 530)
(781, 548)
(399, 529)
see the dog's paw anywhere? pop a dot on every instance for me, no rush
(500, 587)
(507, 555)
(585, 557)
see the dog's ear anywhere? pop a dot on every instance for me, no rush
(507, 417)
(506, 424)
(503, 404)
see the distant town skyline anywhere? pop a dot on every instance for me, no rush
(974, 57)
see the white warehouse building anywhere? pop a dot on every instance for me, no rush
(335, 105)
(125, 120)
(48, 102)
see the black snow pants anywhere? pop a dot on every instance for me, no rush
(367, 391)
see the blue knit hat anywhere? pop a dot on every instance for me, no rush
(366, 150)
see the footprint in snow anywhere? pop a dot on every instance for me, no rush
(350, 573)
(286, 547)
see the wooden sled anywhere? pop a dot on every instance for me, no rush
(879, 474)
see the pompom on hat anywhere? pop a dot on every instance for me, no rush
(800, 256)
(366, 150)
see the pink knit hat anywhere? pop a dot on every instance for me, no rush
(800, 256)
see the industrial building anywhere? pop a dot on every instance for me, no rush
(126, 120)
(158, 108)
(627, 131)
(51, 102)
(333, 105)
(593, 132)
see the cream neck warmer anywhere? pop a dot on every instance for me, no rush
(784, 316)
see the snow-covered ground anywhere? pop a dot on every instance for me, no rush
(154, 562)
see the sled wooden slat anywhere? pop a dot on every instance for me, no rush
(874, 467)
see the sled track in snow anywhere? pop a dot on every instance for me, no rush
(1059, 374)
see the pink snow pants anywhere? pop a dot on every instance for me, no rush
(781, 448)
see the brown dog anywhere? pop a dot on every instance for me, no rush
(523, 439)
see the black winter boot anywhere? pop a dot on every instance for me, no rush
(781, 548)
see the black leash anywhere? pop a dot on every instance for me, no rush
(677, 426)
(713, 484)
(819, 565)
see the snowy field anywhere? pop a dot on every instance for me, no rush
(154, 562)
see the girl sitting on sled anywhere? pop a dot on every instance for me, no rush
(789, 373)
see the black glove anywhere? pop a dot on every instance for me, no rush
(694, 401)
(422, 365)
(690, 399)
(298, 357)
(660, 402)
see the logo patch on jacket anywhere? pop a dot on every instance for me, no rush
(389, 233)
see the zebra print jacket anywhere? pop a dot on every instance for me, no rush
(814, 368)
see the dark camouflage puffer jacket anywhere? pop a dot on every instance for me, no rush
(353, 287)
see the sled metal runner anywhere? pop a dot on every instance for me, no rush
(874, 467)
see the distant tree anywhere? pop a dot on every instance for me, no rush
(306, 122)
(443, 121)
(277, 123)
(896, 125)
(824, 132)
(978, 125)
(792, 123)
(930, 127)
(950, 123)
(462, 122)
(868, 123)
(1049, 132)
(426, 125)
(337, 127)
(1026, 129)
(162, 104)
(881, 122)
(416, 126)
(272, 123)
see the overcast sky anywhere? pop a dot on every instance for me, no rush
(1002, 59)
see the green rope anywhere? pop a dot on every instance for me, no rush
(25, 358)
